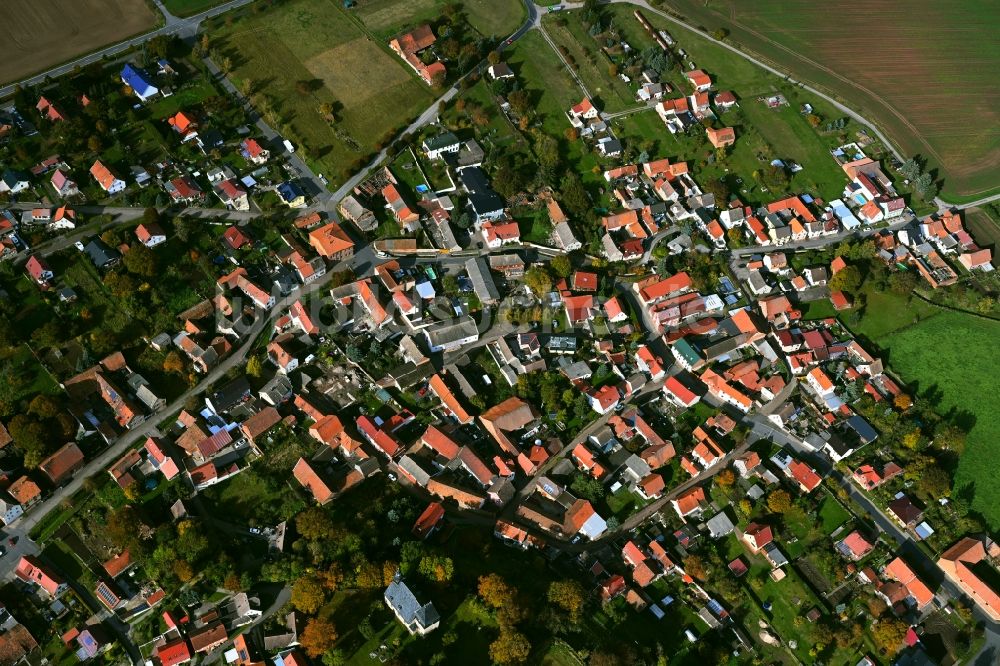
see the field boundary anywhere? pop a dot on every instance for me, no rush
(882, 131)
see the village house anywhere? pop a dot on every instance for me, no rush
(419, 619)
(107, 180)
(409, 45)
(30, 570)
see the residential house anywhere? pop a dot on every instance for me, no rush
(291, 194)
(720, 138)
(252, 151)
(689, 502)
(409, 45)
(107, 180)
(183, 190)
(905, 512)
(59, 467)
(63, 185)
(331, 242)
(699, 79)
(445, 142)
(139, 81)
(30, 570)
(150, 234)
(39, 270)
(232, 194)
(967, 564)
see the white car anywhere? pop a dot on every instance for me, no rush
(78, 245)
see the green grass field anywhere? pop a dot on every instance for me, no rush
(984, 226)
(489, 18)
(189, 7)
(934, 54)
(954, 356)
(372, 91)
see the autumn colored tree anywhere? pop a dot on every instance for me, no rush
(694, 566)
(888, 634)
(510, 647)
(725, 478)
(569, 596)
(183, 570)
(308, 594)
(232, 582)
(255, 367)
(847, 279)
(314, 524)
(318, 636)
(903, 402)
(368, 576)
(779, 501)
(389, 569)
(538, 280)
(495, 591)
(173, 363)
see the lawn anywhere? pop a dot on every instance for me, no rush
(984, 226)
(189, 7)
(832, 515)
(887, 312)
(242, 499)
(952, 357)
(314, 42)
(948, 47)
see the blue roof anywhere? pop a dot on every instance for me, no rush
(290, 191)
(138, 80)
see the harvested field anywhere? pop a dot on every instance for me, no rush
(189, 7)
(39, 34)
(928, 80)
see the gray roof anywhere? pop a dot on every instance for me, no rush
(446, 332)
(404, 603)
(720, 525)
(101, 253)
(411, 467)
(482, 280)
(563, 236)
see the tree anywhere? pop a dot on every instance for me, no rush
(255, 368)
(725, 478)
(720, 34)
(935, 482)
(510, 647)
(495, 591)
(950, 438)
(561, 265)
(183, 570)
(140, 260)
(574, 195)
(150, 216)
(910, 170)
(32, 438)
(314, 524)
(94, 144)
(571, 133)
(308, 594)
(888, 634)
(520, 102)
(493, 57)
(569, 596)
(779, 501)
(44, 406)
(173, 363)
(436, 568)
(847, 279)
(694, 566)
(903, 402)
(368, 576)
(318, 636)
(538, 280)
(450, 284)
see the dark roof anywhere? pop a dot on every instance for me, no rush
(440, 141)
(231, 394)
(865, 432)
(485, 202)
(837, 443)
(474, 179)
(101, 253)
(905, 510)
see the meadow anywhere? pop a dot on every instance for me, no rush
(189, 7)
(315, 42)
(40, 34)
(387, 18)
(936, 56)
(952, 356)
